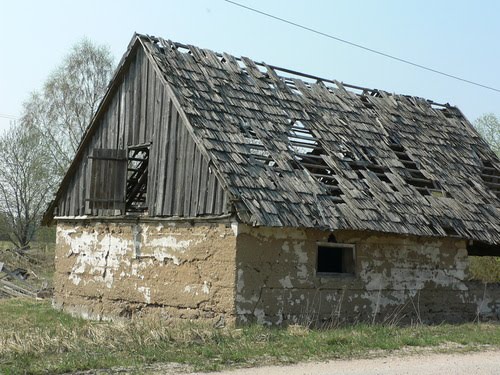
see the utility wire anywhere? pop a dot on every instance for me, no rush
(361, 46)
(10, 117)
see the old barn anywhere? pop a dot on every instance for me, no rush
(214, 187)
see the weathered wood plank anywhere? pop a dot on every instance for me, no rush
(171, 163)
(181, 161)
(163, 153)
(195, 189)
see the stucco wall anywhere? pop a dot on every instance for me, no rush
(238, 273)
(397, 279)
(178, 270)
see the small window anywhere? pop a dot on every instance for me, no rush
(334, 258)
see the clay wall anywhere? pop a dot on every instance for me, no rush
(397, 279)
(175, 270)
(225, 272)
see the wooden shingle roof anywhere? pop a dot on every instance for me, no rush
(300, 151)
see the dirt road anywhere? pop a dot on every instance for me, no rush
(429, 364)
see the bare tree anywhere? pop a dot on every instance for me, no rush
(25, 182)
(35, 154)
(488, 125)
(68, 100)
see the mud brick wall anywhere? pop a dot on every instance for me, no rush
(175, 270)
(237, 273)
(397, 279)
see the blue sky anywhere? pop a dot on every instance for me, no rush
(458, 37)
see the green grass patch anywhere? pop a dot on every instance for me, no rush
(37, 339)
(485, 269)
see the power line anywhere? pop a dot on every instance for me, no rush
(408, 62)
(10, 117)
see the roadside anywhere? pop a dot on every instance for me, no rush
(415, 361)
(477, 363)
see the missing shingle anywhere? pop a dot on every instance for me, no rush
(309, 154)
(255, 146)
(450, 231)
(491, 177)
(412, 173)
(291, 85)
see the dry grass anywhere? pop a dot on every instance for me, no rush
(37, 339)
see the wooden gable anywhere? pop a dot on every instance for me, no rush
(138, 113)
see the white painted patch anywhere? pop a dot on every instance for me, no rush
(300, 253)
(75, 279)
(286, 282)
(161, 255)
(168, 247)
(146, 292)
(96, 257)
(205, 289)
(235, 228)
(285, 247)
(302, 271)
(260, 315)
(170, 242)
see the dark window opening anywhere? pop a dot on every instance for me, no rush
(334, 258)
(491, 177)
(308, 153)
(137, 178)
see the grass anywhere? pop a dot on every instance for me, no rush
(485, 269)
(36, 339)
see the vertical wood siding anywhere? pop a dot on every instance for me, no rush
(180, 180)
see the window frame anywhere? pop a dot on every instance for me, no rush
(339, 246)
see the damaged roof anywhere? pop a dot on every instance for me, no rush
(297, 150)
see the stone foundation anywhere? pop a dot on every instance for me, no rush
(174, 270)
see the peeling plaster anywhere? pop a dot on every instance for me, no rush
(103, 266)
(146, 292)
(286, 282)
(391, 272)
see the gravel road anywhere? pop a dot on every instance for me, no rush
(478, 363)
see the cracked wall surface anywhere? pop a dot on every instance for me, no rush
(176, 270)
(236, 273)
(397, 279)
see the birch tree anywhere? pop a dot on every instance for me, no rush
(70, 96)
(25, 183)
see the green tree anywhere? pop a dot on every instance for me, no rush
(488, 125)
